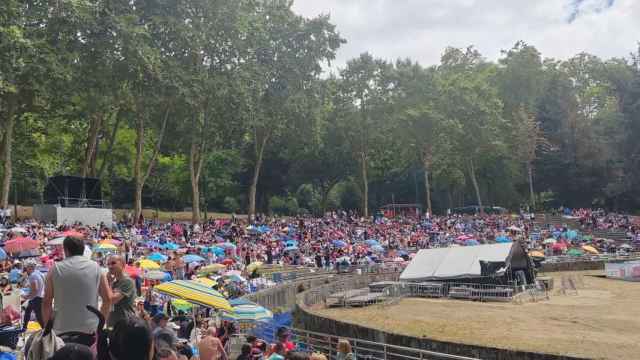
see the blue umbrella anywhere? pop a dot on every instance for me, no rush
(291, 243)
(228, 245)
(156, 256)
(403, 253)
(218, 251)
(377, 248)
(3, 254)
(339, 243)
(239, 301)
(472, 242)
(153, 244)
(192, 258)
(503, 239)
(291, 248)
(371, 242)
(170, 246)
(572, 234)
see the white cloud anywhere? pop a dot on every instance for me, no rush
(421, 29)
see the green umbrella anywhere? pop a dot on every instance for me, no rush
(574, 252)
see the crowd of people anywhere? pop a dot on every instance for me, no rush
(87, 275)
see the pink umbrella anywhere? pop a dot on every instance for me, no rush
(20, 244)
(463, 237)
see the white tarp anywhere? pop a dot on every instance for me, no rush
(453, 262)
(629, 270)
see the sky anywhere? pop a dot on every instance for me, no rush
(422, 29)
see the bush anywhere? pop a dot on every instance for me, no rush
(231, 204)
(283, 205)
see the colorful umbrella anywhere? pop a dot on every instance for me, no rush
(156, 256)
(194, 293)
(147, 264)
(3, 254)
(248, 312)
(229, 245)
(132, 271)
(102, 247)
(590, 249)
(339, 243)
(377, 248)
(213, 268)
(180, 304)
(228, 261)
(56, 242)
(20, 244)
(192, 258)
(73, 233)
(170, 246)
(574, 252)
(550, 241)
(254, 266)
(291, 248)
(206, 281)
(372, 242)
(503, 239)
(538, 254)
(157, 275)
(471, 242)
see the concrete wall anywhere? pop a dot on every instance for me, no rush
(86, 216)
(572, 266)
(306, 320)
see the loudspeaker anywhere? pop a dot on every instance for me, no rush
(71, 187)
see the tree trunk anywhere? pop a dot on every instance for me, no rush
(260, 145)
(474, 181)
(195, 168)
(427, 159)
(6, 150)
(531, 192)
(92, 143)
(112, 141)
(140, 177)
(137, 169)
(365, 186)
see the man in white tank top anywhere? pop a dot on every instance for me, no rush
(75, 283)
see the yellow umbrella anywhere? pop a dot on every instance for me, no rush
(536, 254)
(205, 281)
(590, 249)
(194, 293)
(254, 266)
(149, 264)
(211, 268)
(106, 247)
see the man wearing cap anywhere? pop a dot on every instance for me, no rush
(35, 295)
(161, 332)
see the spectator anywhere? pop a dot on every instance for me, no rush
(35, 295)
(122, 293)
(73, 352)
(245, 352)
(75, 283)
(344, 351)
(210, 347)
(131, 340)
(162, 333)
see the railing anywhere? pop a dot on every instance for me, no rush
(468, 291)
(83, 203)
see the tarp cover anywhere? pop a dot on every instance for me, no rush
(453, 262)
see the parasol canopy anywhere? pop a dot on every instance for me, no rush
(213, 268)
(156, 256)
(20, 244)
(248, 312)
(147, 264)
(590, 249)
(157, 275)
(538, 254)
(192, 258)
(57, 241)
(132, 271)
(194, 293)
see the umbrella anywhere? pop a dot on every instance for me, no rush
(626, 246)
(590, 249)
(18, 230)
(105, 248)
(377, 248)
(149, 264)
(194, 293)
(157, 275)
(20, 244)
(574, 252)
(463, 237)
(503, 239)
(180, 304)
(192, 258)
(514, 228)
(572, 234)
(550, 241)
(236, 278)
(559, 246)
(156, 256)
(254, 266)
(291, 243)
(213, 268)
(471, 242)
(248, 312)
(56, 241)
(170, 246)
(153, 244)
(339, 243)
(132, 271)
(73, 233)
(3, 254)
(206, 281)
(229, 245)
(398, 259)
(218, 251)
(291, 248)
(228, 261)
(371, 242)
(536, 254)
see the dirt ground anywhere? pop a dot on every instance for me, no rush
(600, 322)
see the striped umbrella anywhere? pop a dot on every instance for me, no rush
(213, 268)
(149, 264)
(194, 293)
(248, 312)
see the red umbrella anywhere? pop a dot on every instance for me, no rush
(20, 244)
(227, 261)
(132, 271)
(73, 233)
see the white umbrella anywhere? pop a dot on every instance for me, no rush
(56, 241)
(550, 241)
(18, 230)
(625, 246)
(514, 228)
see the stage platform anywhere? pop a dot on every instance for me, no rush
(70, 215)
